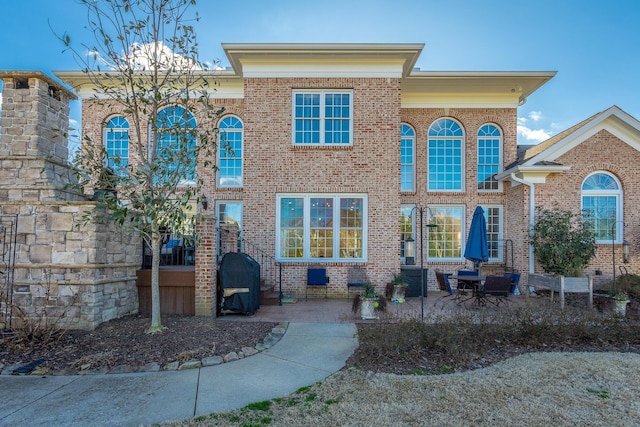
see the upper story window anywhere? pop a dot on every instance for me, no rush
(321, 227)
(230, 152)
(322, 117)
(489, 157)
(116, 144)
(177, 142)
(602, 202)
(407, 158)
(445, 154)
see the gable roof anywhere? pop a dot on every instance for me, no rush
(537, 161)
(614, 120)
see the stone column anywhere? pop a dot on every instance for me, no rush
(205, 264)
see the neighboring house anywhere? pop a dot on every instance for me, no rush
(327, 148)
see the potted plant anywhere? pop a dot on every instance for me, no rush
(397, 288)
(369, 303)
(620, 301)
(563, 245)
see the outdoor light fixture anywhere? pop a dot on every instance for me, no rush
(410, 251)
(205, 202)
(420, 210)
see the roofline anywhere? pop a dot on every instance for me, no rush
(535, 168)
(60, 84)
(410, 51)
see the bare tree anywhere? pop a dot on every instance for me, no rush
(144, 64)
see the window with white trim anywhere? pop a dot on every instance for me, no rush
(322, 117)
(229, 213)
(407, 158)
(176, 143)
(230, 152)
(446, 241)
(116, 144)
(407, 225)
(445, 156)
(493, 216)
(602, 203)
(321, 227)
(489, 157)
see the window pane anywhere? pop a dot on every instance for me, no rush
(117, 144)
(406, 227)
(445, 240)
(489, 144)
(351, 227)
(230, 153)
(291, 227)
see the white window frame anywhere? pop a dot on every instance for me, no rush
(322, 118)
(119, 167)
(220, 159)
(500, 234)
(405, 235)
(412, 164)
(219, 223)
(435, 139)
(619, 215)
(498, 166)
(434, 232)
(306, 227)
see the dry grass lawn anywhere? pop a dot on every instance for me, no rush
(535, 389)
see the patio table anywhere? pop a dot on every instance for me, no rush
(477, 283)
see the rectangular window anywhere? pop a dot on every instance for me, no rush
(322, 118)
(493, 216)
(446, 241)
(445, 165)
(488, 163)
(322, 227)
(406, 228)
(603, 212)
(229, 217)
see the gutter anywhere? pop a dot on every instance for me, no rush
(532, 204)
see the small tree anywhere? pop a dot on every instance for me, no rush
(145, 58)
(563, 242)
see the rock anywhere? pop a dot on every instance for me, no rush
(85, 367)
(249, 351)
(212, 361)
(150, 367)
(278, 331)
(41, 370)
(231, 356)
(190, 364)
(172, 366)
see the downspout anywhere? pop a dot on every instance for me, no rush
(532, 205)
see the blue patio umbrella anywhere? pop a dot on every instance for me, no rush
(476, 249)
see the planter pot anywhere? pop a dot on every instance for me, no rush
(368, 308)
(399, 292)
(620, 307)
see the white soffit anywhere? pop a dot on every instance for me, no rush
(322, 59)
(506, 88)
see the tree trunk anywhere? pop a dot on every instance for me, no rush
(156, 321)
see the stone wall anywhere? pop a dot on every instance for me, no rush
(69, 267)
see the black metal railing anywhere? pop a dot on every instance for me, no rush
(8, 235)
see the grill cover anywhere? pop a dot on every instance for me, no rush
(239, 283)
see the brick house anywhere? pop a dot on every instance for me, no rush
(335, 144)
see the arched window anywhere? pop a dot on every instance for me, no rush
(602, 202)
(445, 154)
(177, 143)
(489, 156)
(116, 144)
(230, 152)
(407, 158)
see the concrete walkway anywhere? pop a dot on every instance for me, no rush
(307, 353)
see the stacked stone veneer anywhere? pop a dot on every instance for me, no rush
(76, 273)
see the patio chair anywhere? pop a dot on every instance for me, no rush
(317, 277)
(443, 285)
(356, 278)
(496, 289)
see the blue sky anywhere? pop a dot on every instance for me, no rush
(593, 45)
